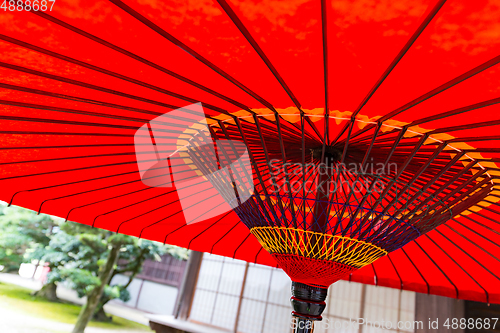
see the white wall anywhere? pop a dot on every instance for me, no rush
(154, 297)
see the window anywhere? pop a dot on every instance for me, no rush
(218, 291)
(250, 298)
(167, 271)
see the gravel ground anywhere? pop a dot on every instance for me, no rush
(12, 321)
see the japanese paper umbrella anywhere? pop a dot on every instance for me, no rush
(319, 136)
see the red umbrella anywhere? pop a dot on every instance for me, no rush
(407, 82)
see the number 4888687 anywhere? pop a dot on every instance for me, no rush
(28, 5)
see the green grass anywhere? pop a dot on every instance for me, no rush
(20, 298)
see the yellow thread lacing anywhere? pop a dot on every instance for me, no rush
(345, 250)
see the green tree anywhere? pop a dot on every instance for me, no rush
(131, 252)
(21, 229)
(85, 258)
(132, 257)
(68, 258)
(96, 291)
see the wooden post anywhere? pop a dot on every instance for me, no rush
(241, 299)
(362, 306)
(186, 291)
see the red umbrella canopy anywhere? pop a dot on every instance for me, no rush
(411, 82)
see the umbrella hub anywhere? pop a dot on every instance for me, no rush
(332, 154)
